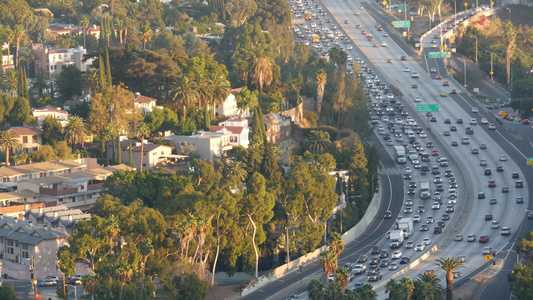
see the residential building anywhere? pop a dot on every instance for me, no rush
(29, 137)
(55, 216)
(73, 30)
(41, 113)
(278, 128)
(9, 200)
(7, 63)
(153, 154)
(51, 60)
(147, 104)
(22, 241)
(229, 108)
(216, 142)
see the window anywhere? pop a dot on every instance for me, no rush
(82, 187)
(25, 247)
(25, 254)
(10, 243)
(10, 250)
(25, 139)
(34, 139)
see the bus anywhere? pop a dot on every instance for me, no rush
(308, 15)
(316, 39)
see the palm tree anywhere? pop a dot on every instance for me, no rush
(120, 26)
(143, 130)
(8, 35)
(147, 34)
(19, 34)
(220, 89)
(391, 287)
(261, 66)
(185, 94)
(318, 142)
(315, 289)
(427, 286)
(342, 278)
(26, 57)
(84, 23)
(92, 78)
(407, 287)
(366, 292)
(75, 131)
(9, 141)
(321, 77)
(10, 81)
(237, 169)
(203, 89)
(449, 264)
(336, 243)
(124, 273)
(328, 260)
(39, 83)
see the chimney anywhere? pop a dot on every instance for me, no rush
(26, 208)
(30, 223)
(137, 94)
(70, 218)
(40, 211)
(94, 26)
(55, 214)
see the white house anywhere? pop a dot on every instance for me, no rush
(41, 113)
(147, 104)
(237, 129)
(229, 108)
(51, 60)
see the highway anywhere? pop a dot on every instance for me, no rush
(470, 212)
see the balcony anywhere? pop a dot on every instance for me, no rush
(56, 192)
(95, 186)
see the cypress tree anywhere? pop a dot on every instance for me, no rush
(270, 167)
(108, 69)
(101, 72)
(25, 88)
(258, 136)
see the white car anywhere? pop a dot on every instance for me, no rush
(406, 69)
(396, 254)
(409, 245)
(418, 99)
(435, 205)
(426, 241)
(433, 70)
(422, 134)
(420, 247)
(350, 47)
(416, 219)
(473, 121)
(385, 119)
(383, 44)
(495, 225)
(503, 157)
(475, 109)
(484, 121)
(492, 126)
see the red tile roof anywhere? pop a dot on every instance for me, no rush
(144, 99)
(232, 129)
(237, 91)
(51, 108)
(20, 131)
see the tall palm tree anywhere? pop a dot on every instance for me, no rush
(120, 26)
(407, 287)
(342, 278)
(315, 289)
(261, 68)
(19, 33)
(328, 260)
(39, 83)
(9, 81)
(8, 36)
(321, 77)
(147, 34)
(318, 142)
(220, 89)
(9, 141)
(185, 94)
(143, 131)
(391, 287)
(449, 264)
(75, 131)
(336, 243)
(203, 89)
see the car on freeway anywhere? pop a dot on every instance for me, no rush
(356, 13)
(483, 239)
(426, 241)
(446, 133)
(435, 153)
(409, 245)
(484, 121)
(519, 184)
(404, 260)
(492, 183)
(374, 276)
(394, 265)
(503, 157)
(499, 169)
(486, 250)
(456, 274)
(446, 83)
(417, 219)
(515, 175)
(505, 231)
(488, 172)
(396, 254)
(483, 162)
(481, 195)
(519, 199)
(495, 225)
(482, 146)
(48, 282)
(430, 220)
(446, 217)
(443, 94)
(488, 217)
(438, 77)
(471, 238)
(403, 58)
(384, 263)
(505, 189)
(493, 201)
(388, 214)
(390, 61)
(453, 92)
(424, 227)
(429, 272)
(454, 143)
(408, 210)
(383, 44)
(458, 238)
(384, 254)
(475, 109)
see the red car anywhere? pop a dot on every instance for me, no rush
(356, 13)
(444, 30)
(363, 32)
(446, 83)
(453, 92)
(488, 217)
(429, 272)
(435, 153)
(438, 77)
(483, 239)
(403, 58)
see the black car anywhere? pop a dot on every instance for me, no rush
(459, 121)
(376, 250)
(515, 175)
(384, 263)
(441, 224)
(446, 217)
(499, 169)
(488, 172)
(474, 151)
(439, 188)
(411, 191)
(481, 195)
(362, 258)
(437, 229)
(453, 128)
(404, 260)
(505, 189)
(519, 184)
(384, 254)
(430, 145)
(407, 176)
(388, 214)
(374, 261)
(425, 169)
(412, 184)
(448, 173)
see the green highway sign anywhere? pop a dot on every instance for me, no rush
(515, 121)
(439, 54)
(530, 161)
(434, 54)
(401, 24)
(427, 107)
(445, 54)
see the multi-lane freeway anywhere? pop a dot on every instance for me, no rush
(477, 161)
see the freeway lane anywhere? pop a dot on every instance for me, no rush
(377, 228)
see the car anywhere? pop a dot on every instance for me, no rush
(459, 121)
(404, 260)
(454, 143)
(426, 241)
(361, 8)
(408, 210)
(449, 209)
(384, 254)
(409, 202)
(474, 151)
(447, 121)
(519, 199)
(473, 121)
(374, 261)
(492, 183)
(429, 272)
(475, 109)
(437, 179)
(515, 175)
(443, 94)
(362, 258)
(414, 86)
(503, 157)
(446, 83)
(424, 227)
(358, 26)
(495, 225)
(453, 92)
(418, 99)
(446, 217)
(403, 58)
(396, 254)
(456, 274)
(488, 217)
(375, 45)
(484, 121)
(482, 162)
(383, 44)
(390, 61)
(415, 75)
(437, 229)
(384, 263)
(505, 189)
(48, 282)
(530, 216)
(435, 153)
(51, 277)
(376, 250)
(374, 276)
(411, 191)
(471, 238)
(436, 205)
(356, 13)
(421, 209)
(519, 184)
(430, 220)
(481, 195)
(505, 231)
(458, 238)
(446, 133)
(388, 214)
(407, 176)
(417, 219)
(493, 201)
(465, 141)
(430, 145)
(394, 265)
(346, 22)
(438, 77)
(486, 250)
(385, 34)
(488, 172)
(76, 279)
(433, 70)
(331, 277)
(363, 32)
(499, 169)
(482, 146)
(483, 239)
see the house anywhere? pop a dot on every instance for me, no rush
(229, 108)
(216, 142)
(73, 30)
(153, 154)
(23, 242)
(29, 137)
(7, 63)
(41, 113)
(51, 60)
(278, 127)
(147, 104)
(55, 216)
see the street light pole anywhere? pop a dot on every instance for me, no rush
(455, 10)
(405, 9)
(509, 13)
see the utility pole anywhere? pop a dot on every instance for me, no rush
(464, 71)
(476, 50)
(491, 72)
(288, 252)
(405, 9)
